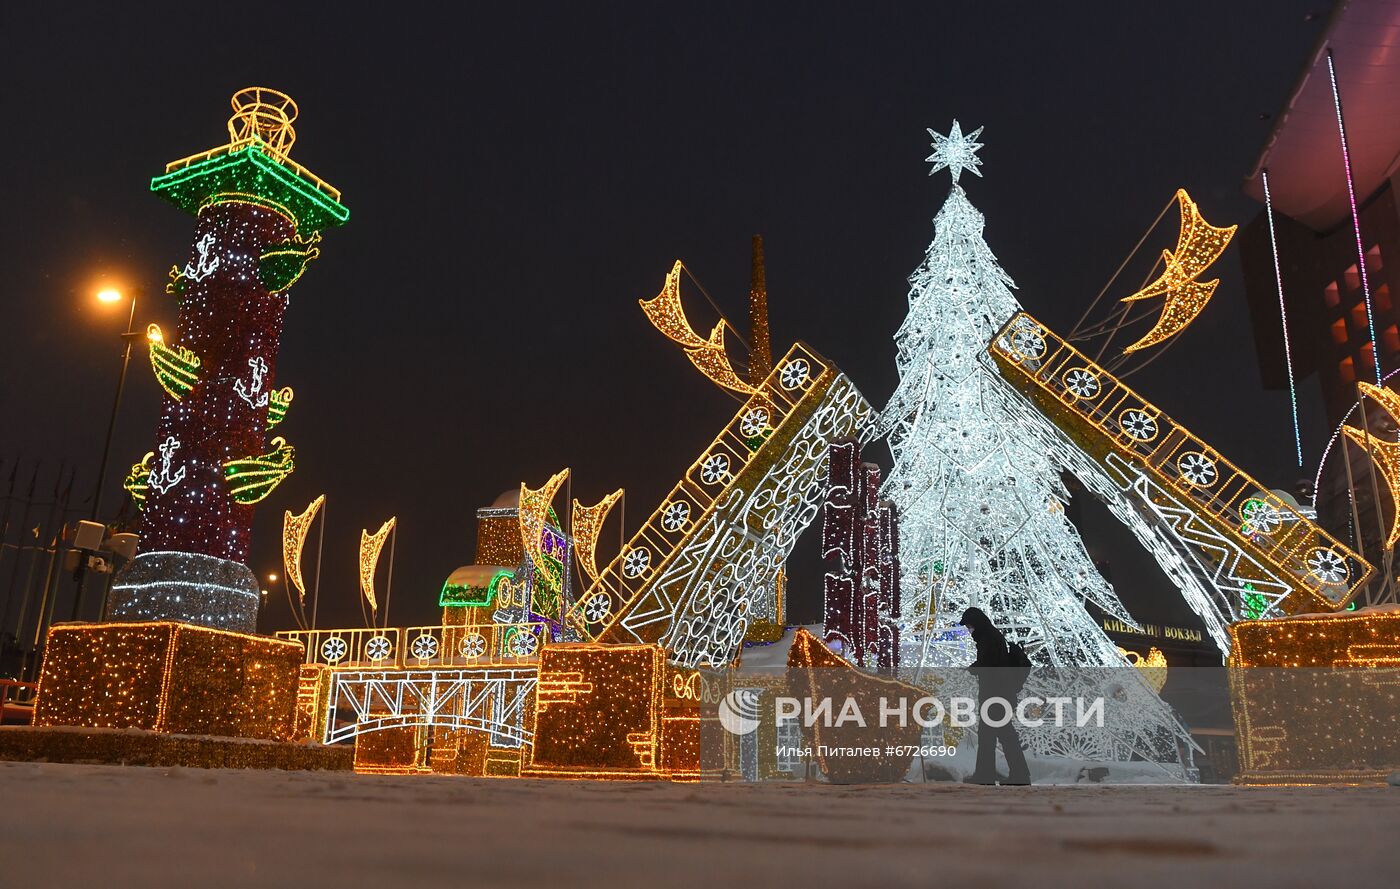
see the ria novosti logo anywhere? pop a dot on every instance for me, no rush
(738, 711)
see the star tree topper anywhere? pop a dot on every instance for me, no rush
(955, 151)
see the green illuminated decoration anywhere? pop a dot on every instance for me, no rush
(176, 285)
(176, 368)
(281, 266)
(250, 479)
(467, 595)
(1254, 604)
(136, 480)
(278, 400)
(250, 171)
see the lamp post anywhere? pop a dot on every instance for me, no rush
(108, 296)
(130, 336)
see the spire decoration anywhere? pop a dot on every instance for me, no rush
(760, 340)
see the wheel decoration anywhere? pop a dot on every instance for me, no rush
(1138, 424)
(754, 422)
(473, 645)
(676, 515)
(1082, 383)
(378, 648)
(1259, 517)
(1327, 566)
(715, 469)
(523, 643)
(425, 647)
(1028, 343)
(333, 649)
(795, 373)
(636, 561)
(598, 608)
(1197, 468)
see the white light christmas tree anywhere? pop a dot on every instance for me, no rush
(980, 502)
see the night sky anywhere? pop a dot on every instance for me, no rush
(518, 175)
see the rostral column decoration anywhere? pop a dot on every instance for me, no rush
(258, 221)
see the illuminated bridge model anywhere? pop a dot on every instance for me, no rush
(1236, 550)
(703, 566)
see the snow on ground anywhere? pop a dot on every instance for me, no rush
(74, 825)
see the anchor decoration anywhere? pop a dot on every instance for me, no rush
(255, 395)
(202, 268)
(207, 262)
(163, 477)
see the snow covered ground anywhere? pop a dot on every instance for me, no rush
(73, 825)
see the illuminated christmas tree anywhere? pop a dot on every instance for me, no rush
(980, 503)
(258, 218)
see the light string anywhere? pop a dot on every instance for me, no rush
(1283, 314)
(1355, 217)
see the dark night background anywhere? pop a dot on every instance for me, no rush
(519, 175)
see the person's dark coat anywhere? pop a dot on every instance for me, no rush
(993, 665)
(996, 678)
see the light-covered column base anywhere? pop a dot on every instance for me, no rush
(186, 587)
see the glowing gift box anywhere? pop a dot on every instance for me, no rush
(169, 677)
(1316, 698)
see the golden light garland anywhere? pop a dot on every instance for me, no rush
(370, 547)
(586, 524)
(534, 513)
(1385, 454)
(1198, 246)
(294, 531)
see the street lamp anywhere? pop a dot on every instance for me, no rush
(111, 295)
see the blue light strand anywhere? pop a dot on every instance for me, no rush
(1283, 314)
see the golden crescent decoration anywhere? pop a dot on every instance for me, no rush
(1385, 454)
(1198, 246)
(370, 547)
(534, 512)
(586, 523)
(294, 531)
(668, 316)
(712, 361)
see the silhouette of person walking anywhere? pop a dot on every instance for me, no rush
(999, 675)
